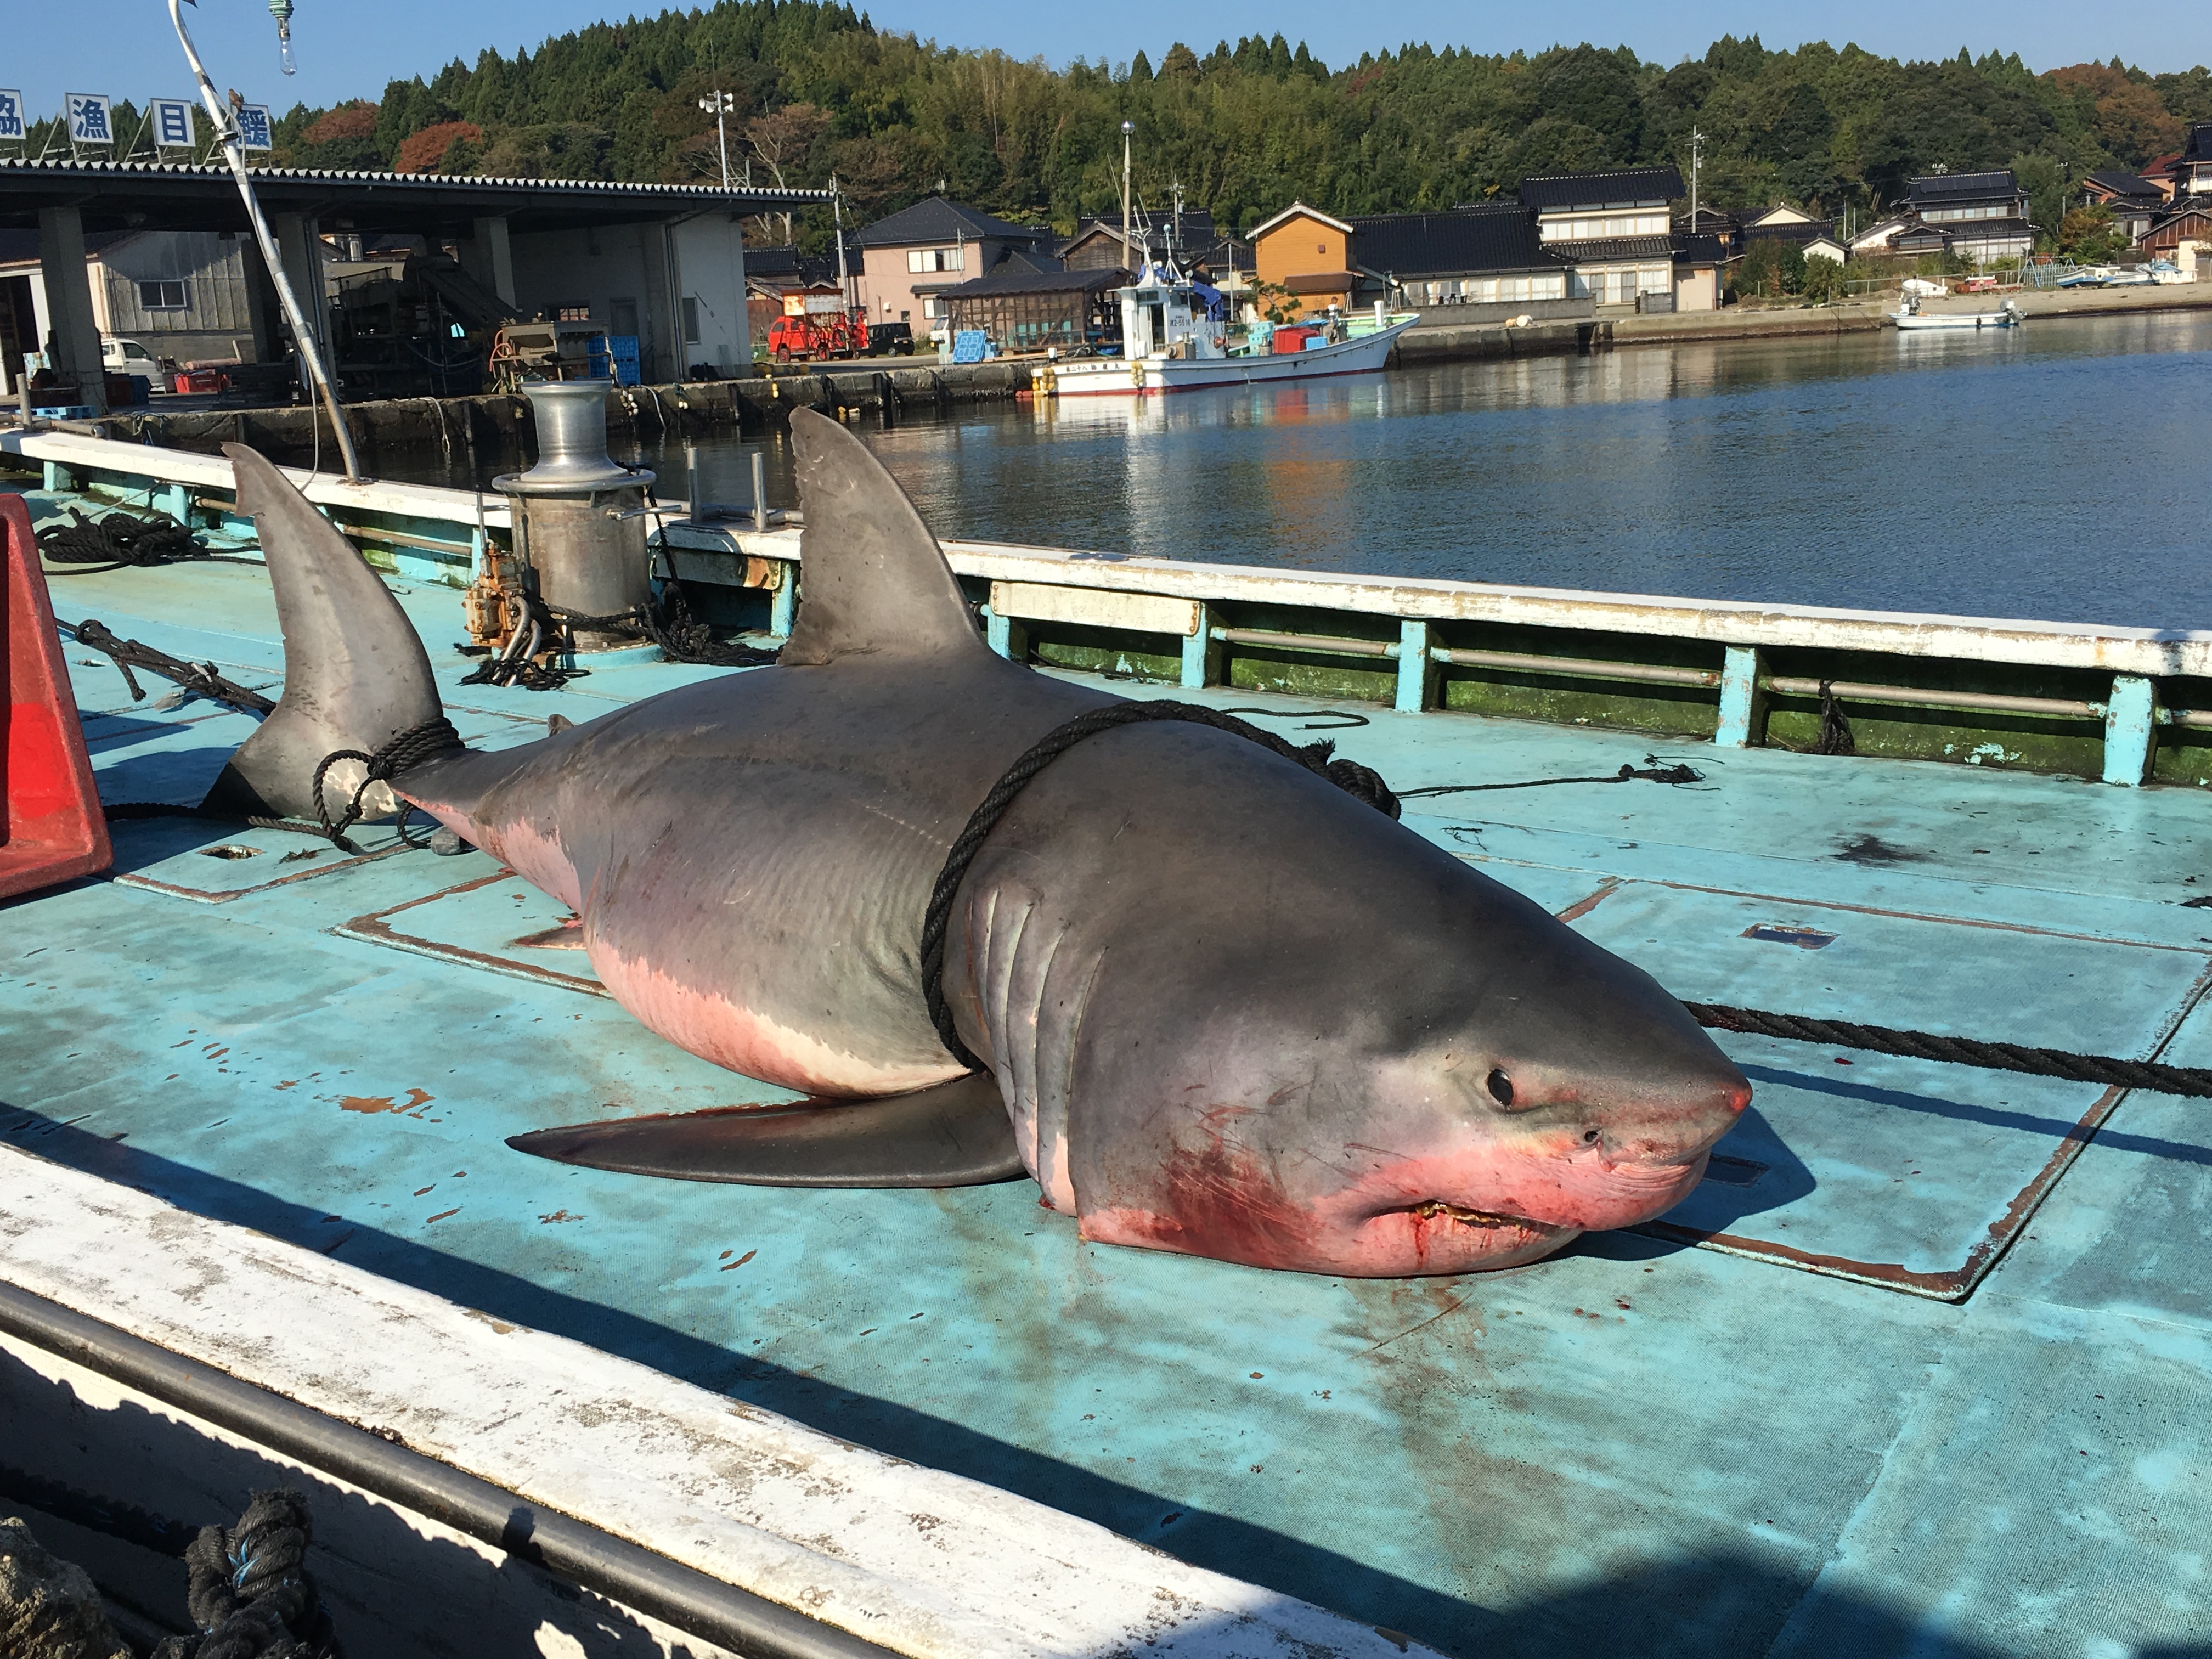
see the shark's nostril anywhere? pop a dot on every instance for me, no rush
(1501, 1088)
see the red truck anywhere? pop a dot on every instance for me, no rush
(810, 335)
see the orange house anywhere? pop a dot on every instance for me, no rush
(1303, 250)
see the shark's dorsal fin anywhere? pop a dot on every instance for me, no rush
(873, 578)
(356, 674)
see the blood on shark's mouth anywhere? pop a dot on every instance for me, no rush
(1435, 1209)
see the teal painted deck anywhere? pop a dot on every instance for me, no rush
(1641, 1447)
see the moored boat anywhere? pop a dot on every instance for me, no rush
(1909, 316)
(1176, 339)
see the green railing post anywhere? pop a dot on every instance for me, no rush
(2131, 723)
(1416, 670)
(1202, 653)
(1743, 703)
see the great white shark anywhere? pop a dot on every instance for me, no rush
(1221, 1006)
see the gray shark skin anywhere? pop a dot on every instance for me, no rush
(355, 677)
(1226, 1009)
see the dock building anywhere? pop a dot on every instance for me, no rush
(661, 262)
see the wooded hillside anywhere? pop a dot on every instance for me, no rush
(1245, 128)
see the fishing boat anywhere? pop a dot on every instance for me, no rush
(259, 1224)
(1176, 337)
(1909, 316)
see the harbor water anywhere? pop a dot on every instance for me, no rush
(2058, 471)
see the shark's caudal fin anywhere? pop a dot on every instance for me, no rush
(356, 675)
(875, 579)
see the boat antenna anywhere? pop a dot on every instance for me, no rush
(1127, 128)
(233, 149)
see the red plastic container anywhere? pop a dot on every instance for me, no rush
(1292, 338)
(203, 380)
(50, 827)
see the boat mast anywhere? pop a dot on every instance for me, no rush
(1127, 128)
(233, 149)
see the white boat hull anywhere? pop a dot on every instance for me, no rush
(1103, 377)
(1957, 319)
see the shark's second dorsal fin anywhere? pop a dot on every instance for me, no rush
(873, 578)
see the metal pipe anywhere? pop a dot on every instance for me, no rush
(1329, 642)
(760, 492)
(584, 1554)
(1930, 697)
(691, 474)
(2188, 717)
(233, 148)
(1579, 667)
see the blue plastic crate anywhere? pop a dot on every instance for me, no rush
(622, 349)
(970, 345)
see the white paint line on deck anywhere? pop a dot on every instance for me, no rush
(928, 1564)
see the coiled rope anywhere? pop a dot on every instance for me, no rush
(119, 540)
(250, 1591)
(1359, 781)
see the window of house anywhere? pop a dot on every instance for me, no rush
(572, 313)
(936, 258)
(929, 308)
(162, 296)
(690, 320)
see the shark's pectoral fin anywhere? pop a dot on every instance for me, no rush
(955, 1134)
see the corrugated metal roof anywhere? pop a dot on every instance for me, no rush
(1558, 192)
(1088, 280)
(1491, 238)
(114, 170)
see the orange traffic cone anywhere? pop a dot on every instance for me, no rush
(50, 827)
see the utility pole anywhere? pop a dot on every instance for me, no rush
(837, 218)
(720, 104)
(1127, 128)
(1697, 155)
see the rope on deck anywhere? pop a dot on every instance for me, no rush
(247, 1588)
(2107, 1069)
(201, 679)
(119, 540)
(1362, 782)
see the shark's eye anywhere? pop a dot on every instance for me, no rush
(1501, 1088)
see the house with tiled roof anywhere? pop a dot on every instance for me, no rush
(911, 258)
(2133, 201)
(1980, 216)
(1612, 229)
(1793, 226)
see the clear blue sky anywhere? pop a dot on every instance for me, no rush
(350, 48)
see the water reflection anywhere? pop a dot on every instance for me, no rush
(2058, 470)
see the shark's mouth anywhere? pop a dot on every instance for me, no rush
(1435, 1209)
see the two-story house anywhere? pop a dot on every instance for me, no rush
(913, 256)
(1981, 216)
(1611, 229)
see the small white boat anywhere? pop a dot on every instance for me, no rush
(1174, 339)
(1909, 316)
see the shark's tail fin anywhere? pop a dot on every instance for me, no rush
(356, 674)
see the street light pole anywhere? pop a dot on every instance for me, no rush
(720, 104)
